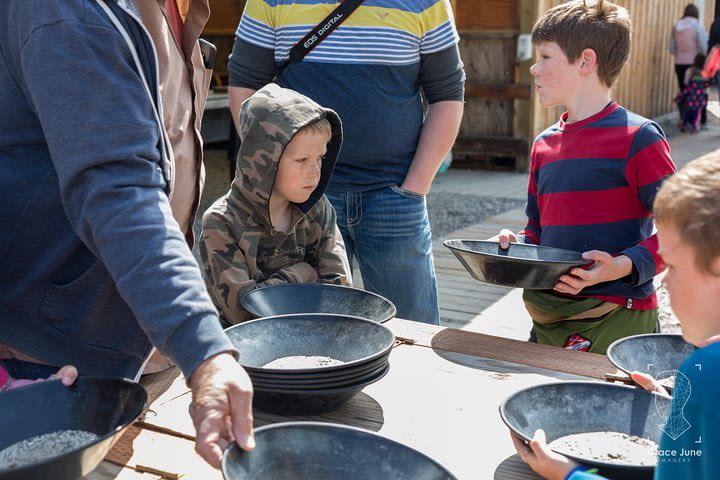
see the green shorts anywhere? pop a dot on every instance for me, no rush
(587, 334)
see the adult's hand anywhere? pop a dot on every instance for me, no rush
(221, 407)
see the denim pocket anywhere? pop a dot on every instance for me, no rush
(405, 193)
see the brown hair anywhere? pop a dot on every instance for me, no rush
(601, 25)
(690, 202)
(320, 126)
(691, 11)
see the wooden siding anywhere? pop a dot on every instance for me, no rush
(484, 15)
(224, 17)
(647, 84)
(489, 59)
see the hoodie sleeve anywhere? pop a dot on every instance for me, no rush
(229, 267)
(702, 38)
(333, 265)
(111, 185)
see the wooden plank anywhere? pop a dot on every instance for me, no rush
(490, 146)
(524, 353)
(462, 298)
(111, 471)
(515, 351)
(138, 448)
(522, 120)
(502, 91)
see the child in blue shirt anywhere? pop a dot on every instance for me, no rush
(687, 214)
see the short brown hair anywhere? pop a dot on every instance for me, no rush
(690, 202)
(601, 25)
(320, 126)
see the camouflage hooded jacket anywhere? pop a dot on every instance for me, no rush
(240, 249)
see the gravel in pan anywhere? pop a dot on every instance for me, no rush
(43, 447)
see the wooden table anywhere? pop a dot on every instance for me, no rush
(441, 397)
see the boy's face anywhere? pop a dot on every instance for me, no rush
(300, 166)
(694, 294)
(556, 79)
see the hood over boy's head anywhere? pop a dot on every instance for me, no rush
(269, 120)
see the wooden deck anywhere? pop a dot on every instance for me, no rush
(464, 301)
(462, 298)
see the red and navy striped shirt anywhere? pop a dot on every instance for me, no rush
(592, 185)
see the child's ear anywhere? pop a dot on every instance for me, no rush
(588, 61)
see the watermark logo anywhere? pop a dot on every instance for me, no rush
(676, 424)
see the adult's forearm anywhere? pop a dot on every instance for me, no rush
(436, 139)
(237, 96)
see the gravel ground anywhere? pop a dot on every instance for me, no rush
(452, 211)
(668, 321)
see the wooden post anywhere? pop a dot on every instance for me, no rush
(523, 123)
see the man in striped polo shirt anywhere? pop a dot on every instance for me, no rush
(374, 71)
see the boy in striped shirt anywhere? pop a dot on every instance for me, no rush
(593, 179)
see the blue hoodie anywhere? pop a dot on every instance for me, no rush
(94, 265)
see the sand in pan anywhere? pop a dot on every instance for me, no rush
(611, 447)
(303, 361)
(43, 447)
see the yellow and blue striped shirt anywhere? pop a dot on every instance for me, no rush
(378, 32)
(371, 71)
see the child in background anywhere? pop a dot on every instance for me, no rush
(687, 212)
(693, 99)
(593, 179)
(275, 225)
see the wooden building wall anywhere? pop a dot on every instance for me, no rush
(220, 30)
(647, 84)
(488, 38)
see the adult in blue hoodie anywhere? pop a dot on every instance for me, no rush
(95, 269)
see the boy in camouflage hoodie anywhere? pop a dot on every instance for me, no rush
(275, 225)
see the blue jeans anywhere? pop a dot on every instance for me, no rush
(387, 230)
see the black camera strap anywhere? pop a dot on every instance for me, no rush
(320, 32)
